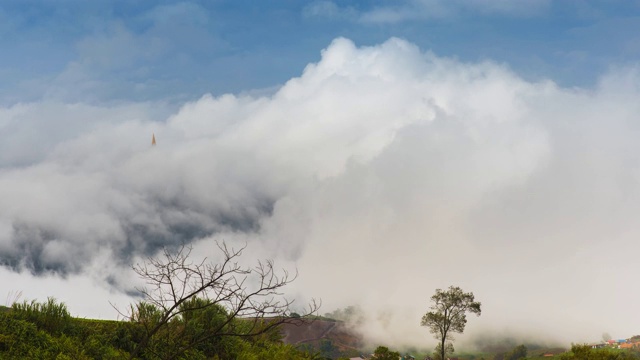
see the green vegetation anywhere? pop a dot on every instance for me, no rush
(519, 352)
(32, 330)
(383, 353)
(46, 330)
(190, 311)
(203, 311)
(449, 315)
(585, 352)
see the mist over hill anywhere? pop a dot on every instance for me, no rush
(380, 172)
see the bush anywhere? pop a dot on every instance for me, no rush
(50, 316)
(585, 352)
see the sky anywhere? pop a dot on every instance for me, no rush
(382, 148)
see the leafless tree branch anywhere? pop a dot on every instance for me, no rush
(251, 296)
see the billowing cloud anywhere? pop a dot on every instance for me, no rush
(381, 173)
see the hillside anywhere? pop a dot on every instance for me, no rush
(329, 337)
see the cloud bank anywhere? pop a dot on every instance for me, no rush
(381, 173)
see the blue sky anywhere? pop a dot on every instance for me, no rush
(149, 50)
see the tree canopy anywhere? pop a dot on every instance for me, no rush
(519, 352)
(448, 315)
(383, 353)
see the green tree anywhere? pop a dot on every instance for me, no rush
(449, 315)
(327, 349)
(519, 352)
(383, 353)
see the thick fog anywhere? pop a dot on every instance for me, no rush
(381, 173)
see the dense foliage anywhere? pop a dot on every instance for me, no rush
(32, 330)
(383, 353)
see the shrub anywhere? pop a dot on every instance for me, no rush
(50, 316)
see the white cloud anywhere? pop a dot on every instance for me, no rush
(30, 131)
(412, 10)
(182, 12)
(523, 8)
(328, 9)
(381, 172)
(409, 10)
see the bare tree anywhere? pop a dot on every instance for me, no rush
(187, 304)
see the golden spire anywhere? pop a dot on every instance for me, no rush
(153, 139)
